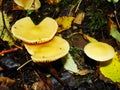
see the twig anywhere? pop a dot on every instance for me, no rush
(54, 73)
(24, 64)
(79, 2)
(115, 13)
(9, 51)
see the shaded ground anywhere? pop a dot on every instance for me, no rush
(41, 77)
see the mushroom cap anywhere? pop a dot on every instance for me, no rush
(49, 51)
(99, 51)
(27, 4)
(28, 32)
(24, 3)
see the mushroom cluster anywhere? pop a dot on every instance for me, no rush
(40, 40)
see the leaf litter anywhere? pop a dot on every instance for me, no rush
(37, 77)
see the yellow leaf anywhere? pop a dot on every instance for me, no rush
(5, 36)
(6, 21)
(90, 39)
(64, 23)
(111, 69)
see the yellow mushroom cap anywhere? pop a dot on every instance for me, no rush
(49, 51)
(28, 32)
(24, 3)
(99, 51)
(27, 4)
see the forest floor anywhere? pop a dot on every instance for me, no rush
(44, 77)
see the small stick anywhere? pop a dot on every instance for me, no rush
(23, 64)
(8, 51)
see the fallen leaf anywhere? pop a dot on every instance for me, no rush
(79, 18)
(64, 22)
(85, 71)
(0, 2)
(71, 66)
(40, 85)
(1, 68)
(113, 30)
(6, 21)
(3, 32)
(4, 81)
(111, 69)
(88, 38)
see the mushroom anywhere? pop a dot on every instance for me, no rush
(48, 51)
(28, 32)
(99, 51)
(28, 4)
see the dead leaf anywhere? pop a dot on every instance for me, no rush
(1, 68)
(111, 69)
(70, 65)
(0, 2)
(113, 30)
(88, 38)
(25, 87)
(4, 81)
(79, 18)
(6, 21)
(5, 35)
(64, 22)
(40, 85)
(85, 71)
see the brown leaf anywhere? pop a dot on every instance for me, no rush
(79, 18)
(1, 68)
(40, 85)
(4, 81)
(0, 2)
(85, 71)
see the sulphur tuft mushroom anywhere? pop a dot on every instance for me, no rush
(28, 4)
(99, 51)
(25, 30)
(48, 51)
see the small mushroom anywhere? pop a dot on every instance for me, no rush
(28, 4)
(99, 51)
(25, 30)
(48, 51)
